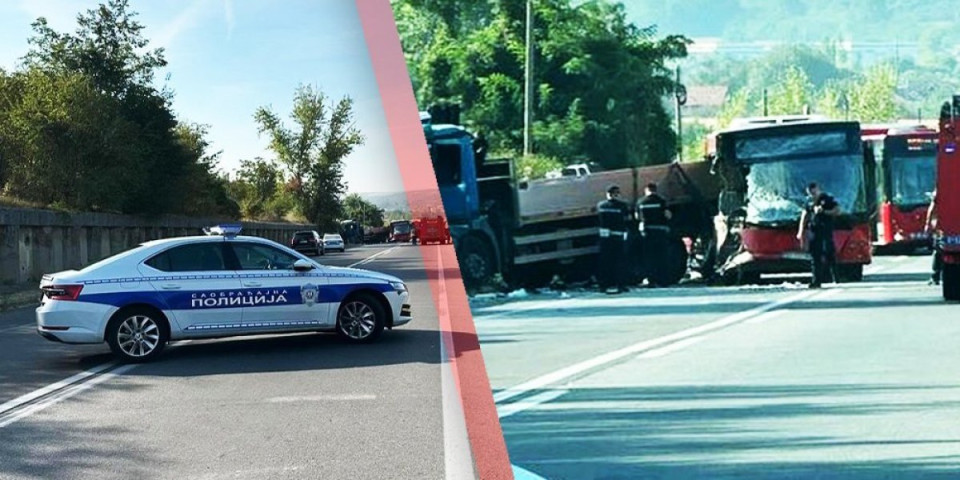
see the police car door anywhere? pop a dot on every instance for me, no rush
(195, 281)
(275, 296)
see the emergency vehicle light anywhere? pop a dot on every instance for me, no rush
(226, 229)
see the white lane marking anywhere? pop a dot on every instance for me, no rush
(526, 404)
(322, 398)
(29, 397)
(65, 394)
(763, 317)
(673, 347)
(371, 257)
(610, 357)
(457, 454)
(901, 258)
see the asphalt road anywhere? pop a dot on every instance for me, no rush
(856, 381)
(299, 406)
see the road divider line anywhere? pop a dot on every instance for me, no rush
(322, 398)
(763, 317)
(64, 394)
(53, 387)
(538, 399)
(371, 257)
(673, 347)
(592, 364)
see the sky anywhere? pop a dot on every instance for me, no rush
(226, 58)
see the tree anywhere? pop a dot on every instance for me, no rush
(874, 99)
(82, 127)
(791, 94)
(108, 46)
(600, 80)
(735, 106)
(356, 208)
(313, 153)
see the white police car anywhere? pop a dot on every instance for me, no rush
(217, 285)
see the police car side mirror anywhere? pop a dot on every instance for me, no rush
(302, 266)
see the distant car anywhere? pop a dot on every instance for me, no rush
(333, 241)
(307, 241)
(218, 285)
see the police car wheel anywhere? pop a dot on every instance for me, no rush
(361, 319)
(137, 335)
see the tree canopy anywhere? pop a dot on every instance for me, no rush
(600, 81)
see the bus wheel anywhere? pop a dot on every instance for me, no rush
(849, 273)
(951, 282)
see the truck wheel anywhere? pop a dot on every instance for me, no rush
(847, 273)
(951, 282)
(476, 262)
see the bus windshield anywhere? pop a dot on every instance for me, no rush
(776, 191)
(912, 179)
(401, 228)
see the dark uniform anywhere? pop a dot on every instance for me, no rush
(822, 249)
(937, 244)
(655, 228)
(614, 218)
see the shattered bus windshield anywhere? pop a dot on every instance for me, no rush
(781, 166)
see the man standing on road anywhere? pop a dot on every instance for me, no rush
(614, 215)
(654, 217)
(817, 219)
(937, 252)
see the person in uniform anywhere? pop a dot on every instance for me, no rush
(614, 216)
(654, 217)
(816, 229)
(937, 251)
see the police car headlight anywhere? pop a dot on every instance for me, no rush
(399, 286)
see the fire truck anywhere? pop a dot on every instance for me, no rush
(431, 229)
(948, 197)
(901, 163)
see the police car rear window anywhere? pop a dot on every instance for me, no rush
(190, 258)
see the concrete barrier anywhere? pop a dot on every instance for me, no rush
(35, 242)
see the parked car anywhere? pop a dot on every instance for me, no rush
(333, 241)
(218, 285)
(307, 241)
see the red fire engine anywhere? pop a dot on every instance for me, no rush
(948, 197)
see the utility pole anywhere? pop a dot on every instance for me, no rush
(764, 102)
(680, 98)
(528, 85)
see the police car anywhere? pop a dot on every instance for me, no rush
(218, 285)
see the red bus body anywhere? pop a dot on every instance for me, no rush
(948, 197)
(771, 247)
(901, 171)
(400, 231)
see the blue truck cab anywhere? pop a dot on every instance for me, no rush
(455, 164)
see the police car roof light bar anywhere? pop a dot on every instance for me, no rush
(224, 229)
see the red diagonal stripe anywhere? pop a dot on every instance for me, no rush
(483, 425)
